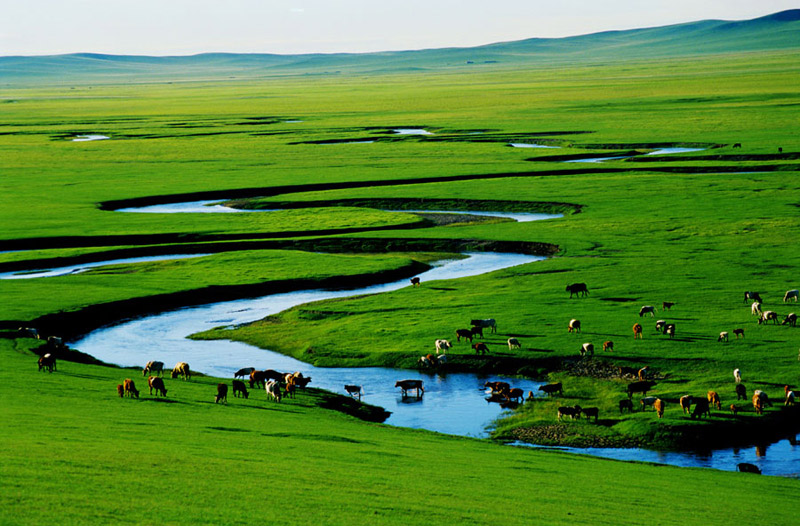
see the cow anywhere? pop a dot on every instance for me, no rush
(353, 390)
(28, 332)
(753, 296)
(182, 369)
(790, 396)
(130, 388)
(157, 383)
(428, 360)
(763, 397)
(661, 325)
(257, 378)
(667, 305)
(758, 404)
(723, 336)
(222, 393)
(734, 409)
(572, 412)
(755, 309)
(442, 346)
(153, 368)
(244, 372)
(55, 343)
(639, 387)
(627, 371)
(746, 467)
(551, 389)
(407, 385)
(608, 346)
(273, 389)
(713, 399)
(477, 331)
(791, 295)
(480, 348)
(489, 323)
(737, 375)
(647, 309)
(513, 343)
(637, 331)
(587, 348)
(700, 408)
(290, 388)
(647, 400)
(574, 325)
(686, 402)
(625, 404)
(464, 333)
(415, 282)
(791, 319)
(737, 145)
(271, 374)
(659, 405)
(741, 392)
(738, 333)
(515, 394)
(120, 390)
(579, 289)
(47, 361)
(302, 381)
(239, 389)
(643, 373)
(669, 330)
(497, 387)
(589, 412)
(768, 315)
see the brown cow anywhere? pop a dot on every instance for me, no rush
(734, 409)
(130, 388)
(608, 346)
(713, 399)
(464, 333)
(643, 373)
(658, 405)
(515, 394)
(407, 385)
(222, 393)
(415, 282)
(182, 369)
(497, 387)
(758, 404)
(120, 390)
(686, 402)
(637, 331)
(154, 382)
(480, 348)
(47, 361)
(667, 305)
(552, 389)
(240, 389)
(258, 378)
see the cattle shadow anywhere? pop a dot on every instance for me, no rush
(162, 400)
(442, 288)
(229, 429)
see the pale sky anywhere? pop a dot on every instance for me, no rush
(187, 27)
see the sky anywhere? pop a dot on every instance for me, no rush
(187, 27)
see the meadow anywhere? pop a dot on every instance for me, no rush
(697, 229)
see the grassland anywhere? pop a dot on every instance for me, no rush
(697, 230)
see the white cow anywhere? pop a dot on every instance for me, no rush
(273, 389)
(723, 336)
(737, 376)
(791, 295)
(647, 309)
(755, 309)
(442, 346)
(513, 343)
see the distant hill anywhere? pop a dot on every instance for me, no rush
(774, 32)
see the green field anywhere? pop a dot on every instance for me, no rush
(697, 229)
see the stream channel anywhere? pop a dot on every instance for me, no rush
(453, 403)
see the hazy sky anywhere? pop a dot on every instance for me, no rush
(185, 27)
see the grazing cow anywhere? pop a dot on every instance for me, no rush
(791, 319)
(47, 361)
(515, 394)
(497, 387)
(746, 467)
(574, 325)
(624, 405)
(551, 389)
(244, 372)
(763, 396)
(639, 387)
(484, 324)
(738, 333)
(659, 405)
(758, 404)
(590, 412)
(734, 409)
(157, 383)
(182, 369)
(442, 346)
(637, 331)
(428, 360)
(120, 390)
(737, 145)
(661, 325)
(755, 309)
(130, 388)
(587, 348)
(608, 346)
(477, 331)
(572, 412)
(780, 150)
(407, 385)
(240, 389)
(257, 378)
(791, 295)
(768, 315)
(723, 336)
(353, 390)
(273, 388)
(647, 309)
(686, 402)
(153, 368)
(28, 332)
(737, 375)
(741, 392)
(578, 288)
(790, 396)
(713, 399)
(222, 393)
(480, 348)
(290, 388)
(627, 371)
(415, 282)
(667, 305)
(670, 330)
(302, 381)
(646, 401)
(464, 333)
(643, 373)
(700, 408)
(271, 374)
(753, 296)
(513, 343)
